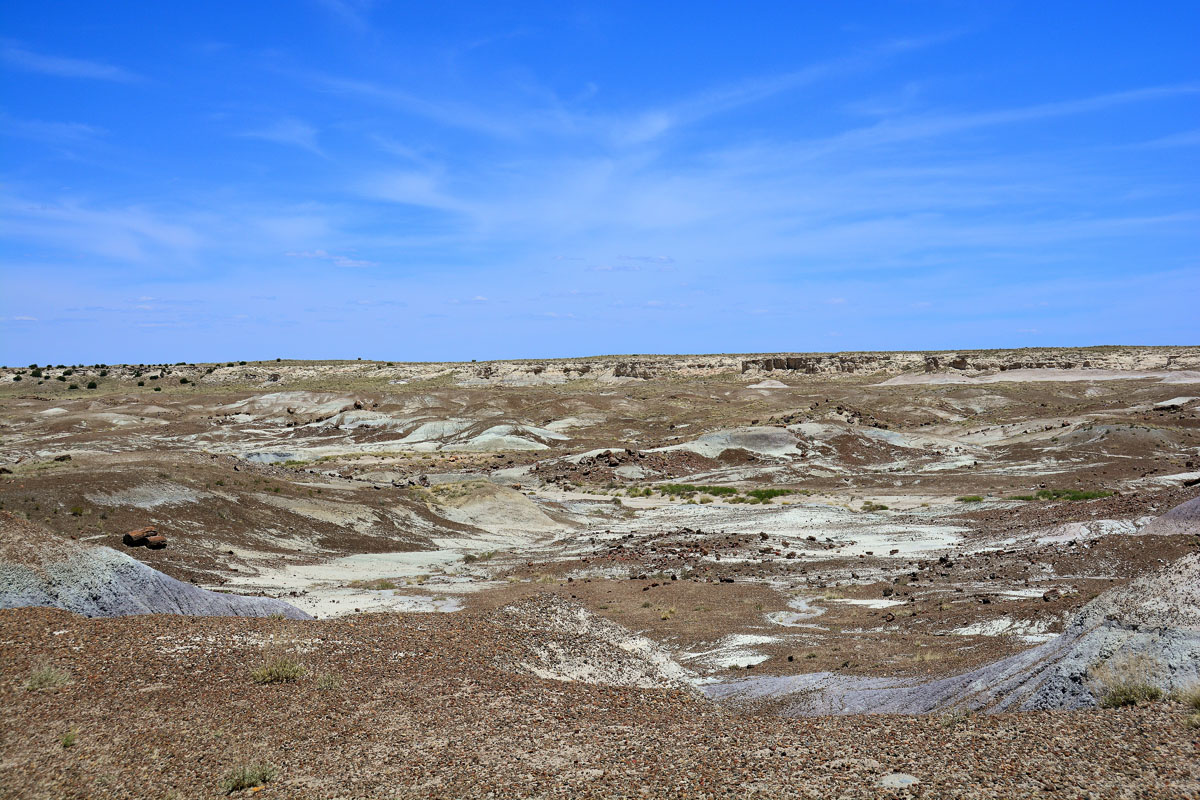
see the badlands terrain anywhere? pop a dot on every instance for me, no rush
(952, 574)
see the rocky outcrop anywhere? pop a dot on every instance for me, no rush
(39, 568)
(145, 537)
(1116, 358)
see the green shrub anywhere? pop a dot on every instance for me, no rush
(278, 669)
(183, 380)
(686, 489)
(1071, 494)
(68, 739)
(91, 385)
(247, 776)
(328, 682)
(969, 498)
(16, 377)
(765, 495)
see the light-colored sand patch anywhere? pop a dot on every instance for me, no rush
(778, 442)
(337, 602)
(734, 650)
(150, 495)
(769, 384)
(566, 423)
(278, 403)
(804, 609)
(349, 515)
(1027, 630)
(491, 507)
(880, 602)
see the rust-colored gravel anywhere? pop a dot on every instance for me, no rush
(164, 707)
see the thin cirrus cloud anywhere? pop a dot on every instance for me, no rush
(800, 181)
(631, 129)
(64, 67)
(334, 258)
(291, 132)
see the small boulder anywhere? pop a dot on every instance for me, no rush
(145, 537)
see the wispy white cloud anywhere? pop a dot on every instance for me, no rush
(292, 132)
(57, 132)
(335, 259)
(20, 58)
(353, 13)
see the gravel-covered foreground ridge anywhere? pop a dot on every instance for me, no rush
(163, 707)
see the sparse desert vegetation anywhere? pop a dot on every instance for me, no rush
(278, 669)
(47, 676)
(463, 555)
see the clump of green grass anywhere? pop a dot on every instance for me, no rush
(1064, 494)
(278, 669)
(1072, 494)
(69, 738)
(969, 498)
(766, 495)
(870, 506)
(247, 776)
(687, 489)
(45, 676)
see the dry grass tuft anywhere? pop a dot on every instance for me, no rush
(248, 776)
(1125, 680)
(278, 669)
(45, 676)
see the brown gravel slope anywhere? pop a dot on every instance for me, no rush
(164, 707)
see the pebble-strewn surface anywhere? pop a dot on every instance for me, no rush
(401, 706)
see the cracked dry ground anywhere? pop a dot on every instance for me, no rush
(430, 706)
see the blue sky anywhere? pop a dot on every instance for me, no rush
(426, 181)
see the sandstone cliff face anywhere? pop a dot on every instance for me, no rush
(1111, 358)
